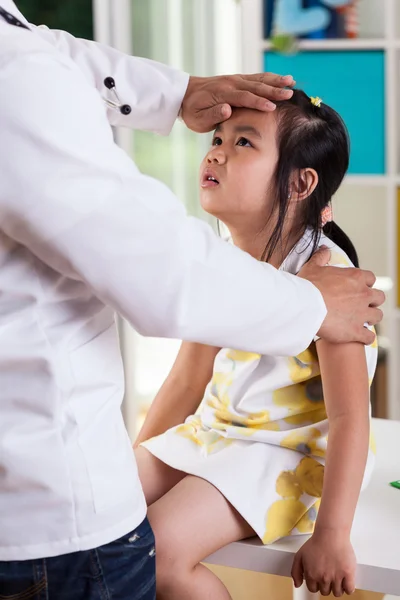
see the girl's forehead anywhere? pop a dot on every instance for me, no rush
(264, 122)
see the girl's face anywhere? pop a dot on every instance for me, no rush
(236, 174)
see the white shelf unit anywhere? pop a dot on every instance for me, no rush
(386, 186)
(339, 44)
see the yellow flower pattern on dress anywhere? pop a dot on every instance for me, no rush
(307, 521)
(310, 474)
(295, 400)
(246, 426)
(338, 259)
(209, 441)
(308, 418)
(261, 433)
(220, 384)
(290, 513)
(304, 366)
(282, 517)
(288, 485)
(306, 441)
(240, 356)
(218, 399)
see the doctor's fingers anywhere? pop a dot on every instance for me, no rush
(269, 85)
(251, 94)
(377, 297)
(209, 100)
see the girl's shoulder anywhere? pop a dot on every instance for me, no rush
(301, 253)
(339, 257)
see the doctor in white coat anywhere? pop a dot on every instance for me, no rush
(83, 236)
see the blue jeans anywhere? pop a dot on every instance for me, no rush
(122, 570)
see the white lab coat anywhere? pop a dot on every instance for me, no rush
(84, 235)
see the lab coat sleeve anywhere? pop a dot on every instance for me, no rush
(153, 90)
(77, 202)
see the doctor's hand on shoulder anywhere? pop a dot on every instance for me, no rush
(350, 299)
(209, 100)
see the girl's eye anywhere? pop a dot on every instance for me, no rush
(216, 141)
(244, 142)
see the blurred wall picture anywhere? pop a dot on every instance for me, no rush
(312, 19)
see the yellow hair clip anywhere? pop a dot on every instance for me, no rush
(316, 101)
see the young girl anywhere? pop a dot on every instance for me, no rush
(255, 460)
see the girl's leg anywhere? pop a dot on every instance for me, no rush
(190, 522)
(156, 477)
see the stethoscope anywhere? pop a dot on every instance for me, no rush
(124, 109)
(11, 19)
(109, 82)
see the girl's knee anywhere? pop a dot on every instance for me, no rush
(171, 566)
(173, 554)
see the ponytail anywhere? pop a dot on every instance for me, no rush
(338, 237)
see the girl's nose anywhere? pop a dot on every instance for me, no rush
(216, 156)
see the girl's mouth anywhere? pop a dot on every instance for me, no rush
(209, 179)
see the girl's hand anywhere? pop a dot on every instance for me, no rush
(327, 563)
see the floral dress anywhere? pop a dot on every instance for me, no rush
(260, 436)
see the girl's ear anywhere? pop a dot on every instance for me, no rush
(302, 184)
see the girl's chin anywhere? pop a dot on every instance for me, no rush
(212, 206)
(211, 209)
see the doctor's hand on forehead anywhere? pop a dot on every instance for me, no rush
(209, 100)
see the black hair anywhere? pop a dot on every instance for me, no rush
(313, 137)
